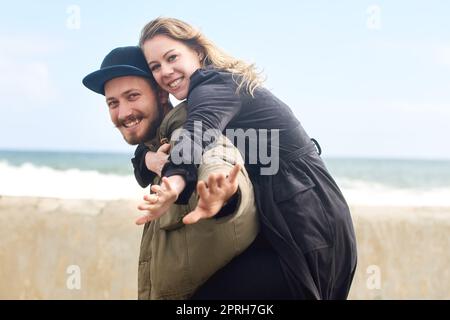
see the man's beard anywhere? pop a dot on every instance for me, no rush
(151, 132)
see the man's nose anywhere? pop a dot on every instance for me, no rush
(124, 111)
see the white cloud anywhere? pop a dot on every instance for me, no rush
(29, 81)
(428, 51)
(24, 72)
(442, 55)
(422, 108)
(28, 45)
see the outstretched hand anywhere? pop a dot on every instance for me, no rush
(213, 195)
(159, 202)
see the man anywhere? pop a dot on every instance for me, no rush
(176, 259)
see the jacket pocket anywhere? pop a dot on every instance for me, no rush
(171, 221)
(145, 258)
(286, 184)
(144, 282)
(301, 207)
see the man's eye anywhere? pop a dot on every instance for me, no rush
(112, 104)
(133, 96)
(172, 58)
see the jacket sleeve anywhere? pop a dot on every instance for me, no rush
(231, 205)
(212, 104)
(143, 176)
(220, 159)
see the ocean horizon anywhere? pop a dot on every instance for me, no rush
(109, 175)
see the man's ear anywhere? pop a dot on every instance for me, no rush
(163, 96)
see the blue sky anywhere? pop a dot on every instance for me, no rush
(365, 78)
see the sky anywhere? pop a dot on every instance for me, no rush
(365, 78)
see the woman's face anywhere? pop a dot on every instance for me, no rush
(172, 64)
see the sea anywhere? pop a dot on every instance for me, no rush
(107, 176)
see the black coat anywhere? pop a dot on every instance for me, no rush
(303, 214)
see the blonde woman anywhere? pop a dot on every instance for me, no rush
(304, 217)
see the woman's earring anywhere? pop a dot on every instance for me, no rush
(201, 56)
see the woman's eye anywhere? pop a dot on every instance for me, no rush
(133, 95)
(171, 58)
(154, 67)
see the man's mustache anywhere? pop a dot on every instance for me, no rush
(121, 122)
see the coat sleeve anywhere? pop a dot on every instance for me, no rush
(231, 205)
(143, 176)
(220, 159)
(212, 104)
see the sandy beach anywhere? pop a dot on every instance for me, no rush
(404, 252)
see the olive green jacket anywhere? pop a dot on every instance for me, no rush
(175, 259)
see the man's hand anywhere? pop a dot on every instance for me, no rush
(155, 161)
(214, 195)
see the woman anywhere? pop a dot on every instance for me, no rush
(303, 214)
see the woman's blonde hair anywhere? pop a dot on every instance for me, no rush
(210, 53)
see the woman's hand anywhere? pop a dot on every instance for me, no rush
(163, 197)
(214, 195)
(155, 161)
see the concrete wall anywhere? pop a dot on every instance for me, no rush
(41, 238)
(404, 253)
(409, 248)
